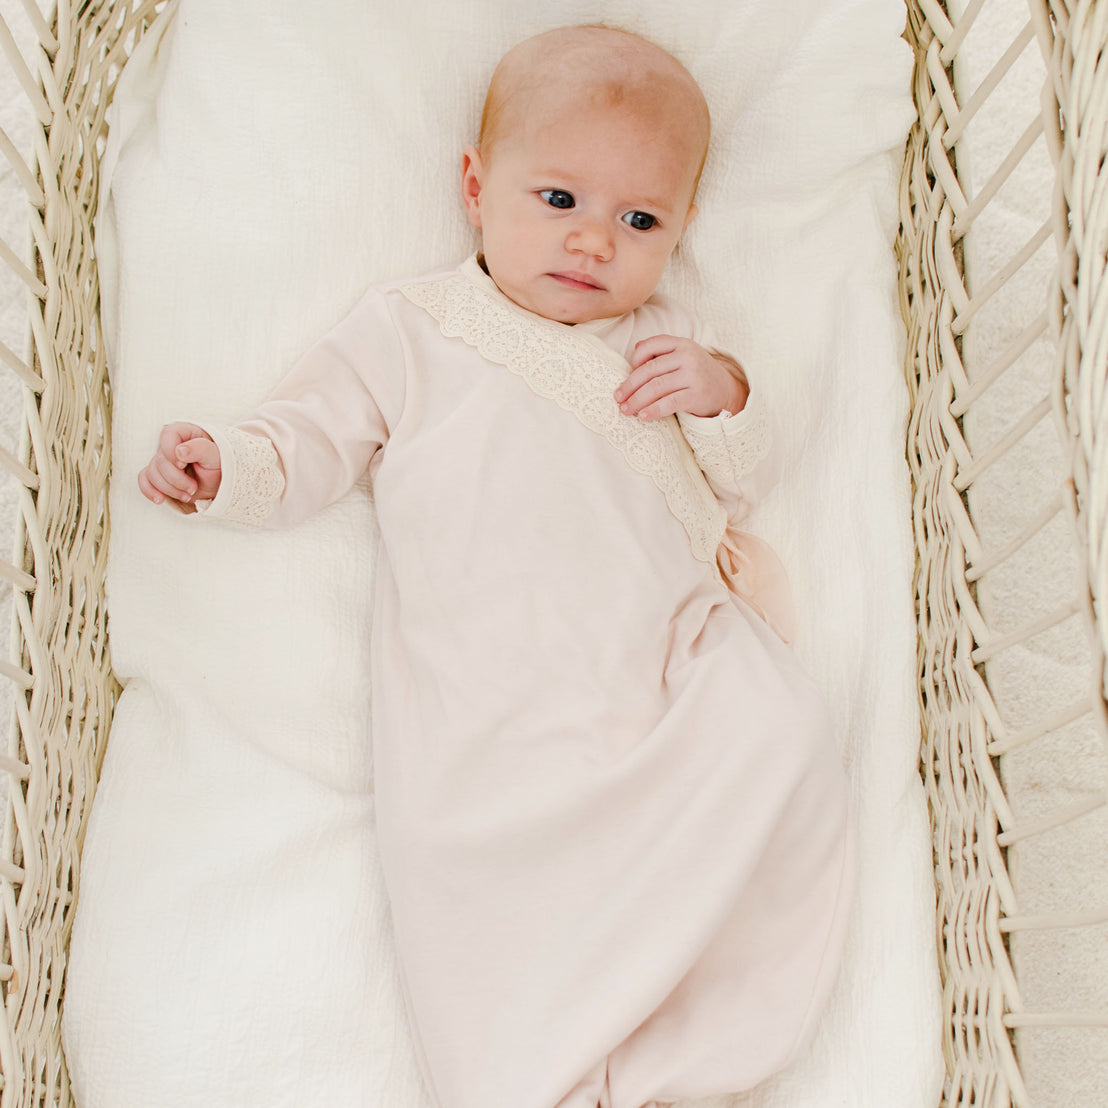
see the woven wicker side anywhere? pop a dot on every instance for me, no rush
(985, 829)
(60, 666)
(1081, 91)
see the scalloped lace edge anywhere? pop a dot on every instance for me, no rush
(579, 374)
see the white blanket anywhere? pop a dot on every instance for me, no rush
(269, 159)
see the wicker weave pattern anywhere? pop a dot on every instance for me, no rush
(1081, 225)
(61, 665)
(965, 736)
(963, 790)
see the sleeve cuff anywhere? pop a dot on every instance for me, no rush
(727, 422)
(728, 447)
(251, 478)
(217, 507)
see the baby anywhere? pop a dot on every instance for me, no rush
(611, 818)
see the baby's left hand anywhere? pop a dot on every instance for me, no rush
(678, 375)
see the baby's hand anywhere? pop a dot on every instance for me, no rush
(678, 375)
(184, 469)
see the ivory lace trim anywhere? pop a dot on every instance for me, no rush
(728, 457)
(579, 373)
(257, 480)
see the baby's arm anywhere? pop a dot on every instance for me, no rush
(724, 423)
(185, 467)
(670, 375)
(721, 419)
(736, 454)
(306, 445)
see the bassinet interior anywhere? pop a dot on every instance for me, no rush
(989, 737)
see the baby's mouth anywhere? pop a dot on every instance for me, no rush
(576, 280)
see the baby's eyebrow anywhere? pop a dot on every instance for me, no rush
(555, 174)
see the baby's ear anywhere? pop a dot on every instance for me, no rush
(473, 174)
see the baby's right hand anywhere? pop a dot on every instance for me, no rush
(184, 469)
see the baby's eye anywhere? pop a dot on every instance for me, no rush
(641, 221)
(557, 198)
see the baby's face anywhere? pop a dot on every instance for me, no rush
(579, 211)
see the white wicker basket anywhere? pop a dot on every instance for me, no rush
(60, 670)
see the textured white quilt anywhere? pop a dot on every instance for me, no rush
(268, 160)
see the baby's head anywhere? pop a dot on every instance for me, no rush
(592, 141)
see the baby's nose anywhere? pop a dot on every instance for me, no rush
(593, 237)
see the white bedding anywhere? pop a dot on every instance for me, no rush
(266, 163)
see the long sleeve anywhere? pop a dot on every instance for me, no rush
(736, 454)
(316, 434)
(251, 480)
(734, 451)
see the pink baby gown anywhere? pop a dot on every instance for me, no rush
(612, 819)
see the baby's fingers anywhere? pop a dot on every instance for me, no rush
(667, 405)
(647, 375)
(649, 384)
(653, 347)
(177, 482)
(173, 435)
(161, 479)
(155, 488)
(201, 452)
(659, 397)
(147, 488)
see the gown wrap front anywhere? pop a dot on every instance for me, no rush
(612, 819)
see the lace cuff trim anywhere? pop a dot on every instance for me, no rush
(580, 374)
(728, 447)
(252, 480)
